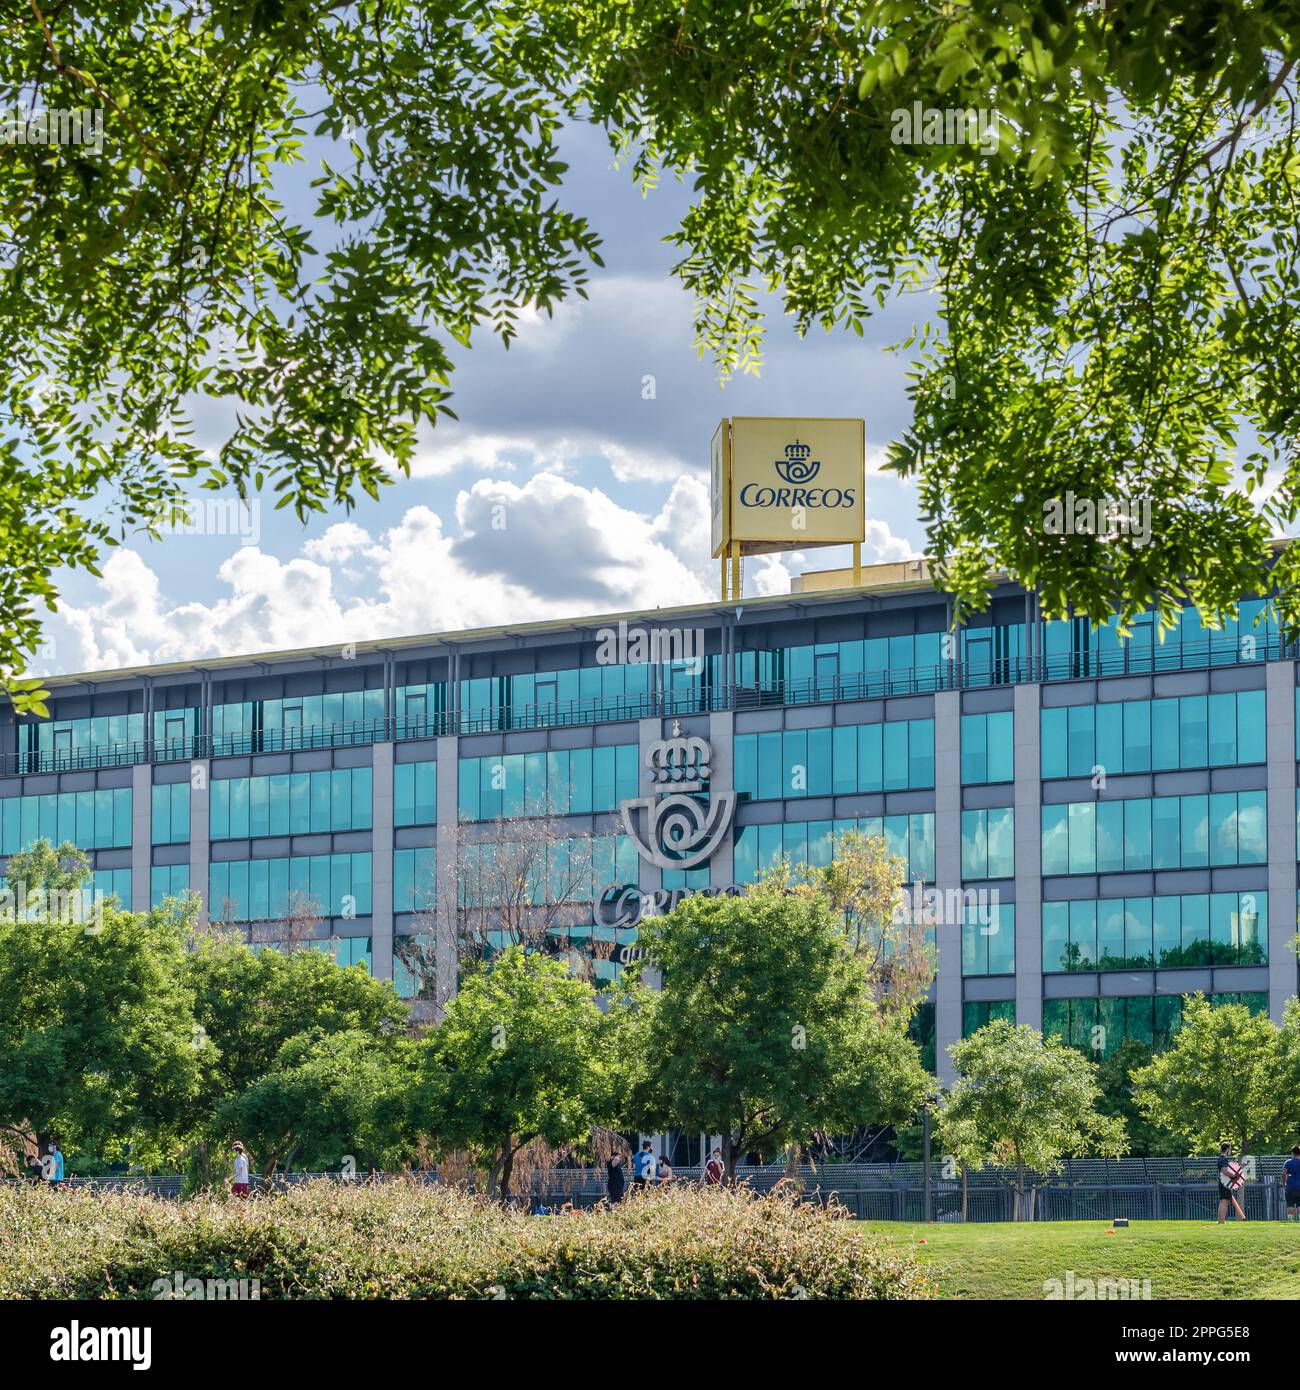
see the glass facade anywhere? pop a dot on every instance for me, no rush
(1101, 1025)
(1166, 933)
(307, 721)
(415, 793)
(975, 1013)
(298, 803)
(570, 782)
(988, 843)
(909, 837)
(168, 881)
(893, 686)
(1154, 735)
(90, 819)
(988, 747)
(988, 940)
(835, 761)
(317, 885)
(170, 814)
(1171, 832)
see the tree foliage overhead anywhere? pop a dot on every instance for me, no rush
(1109, 296)
(164, 267)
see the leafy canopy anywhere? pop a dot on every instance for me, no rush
(1109, 296)
(1230, 1074)
(766, 1028)
(519, 1056)
(1024, 1097)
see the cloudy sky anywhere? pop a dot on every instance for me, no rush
(590, 438)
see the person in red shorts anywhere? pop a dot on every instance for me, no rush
(239, 1187)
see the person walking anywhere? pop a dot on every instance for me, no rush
(1291, 1177)
(615, 1177)
(239, 1188)
(644, 1166)
(1232, 1177)
(663, 1170)
(713, 1169)
(54, 1165)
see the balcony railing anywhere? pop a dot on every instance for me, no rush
(858, 685)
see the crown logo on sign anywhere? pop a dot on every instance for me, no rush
(798, 466)
(679, 763)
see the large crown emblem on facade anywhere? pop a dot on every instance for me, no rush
(797, 466)
(674, 828)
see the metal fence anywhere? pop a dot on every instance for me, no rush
(1151, 1189)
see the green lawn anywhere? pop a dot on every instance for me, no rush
(1182, 1259)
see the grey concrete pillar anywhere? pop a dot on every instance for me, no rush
(141, 834)
(651, 731)
(200, 827)
(381, 862)
(1029, 850)
(1280, 714)
(722, 869)
(947, 871)
(445, 886)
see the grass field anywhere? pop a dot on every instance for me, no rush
(1182, 1259)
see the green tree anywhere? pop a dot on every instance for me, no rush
(1115, 1075)
(519, 1055)
(96, 1024)
(1115, 271)
(1031, 1098)
(331, 1101)
(765, 1030)
(1229, 1074)
(250, 1005)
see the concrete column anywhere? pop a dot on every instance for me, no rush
(947, 869)
(1029, 850)
(1280, 714)
(446, 880)
(651, 731)
(722, 870)
(381, 862)
(141, 834)
(200, 826)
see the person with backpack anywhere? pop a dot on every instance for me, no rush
(644, 1165)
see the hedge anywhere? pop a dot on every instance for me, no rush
(403, 1241)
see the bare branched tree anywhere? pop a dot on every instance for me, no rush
(527, 882)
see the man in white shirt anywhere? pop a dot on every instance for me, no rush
(240, 1186)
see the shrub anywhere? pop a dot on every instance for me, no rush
(399, 1241)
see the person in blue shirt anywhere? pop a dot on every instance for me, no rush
(1291, 1176)
(644, 1165)
(54, 1165)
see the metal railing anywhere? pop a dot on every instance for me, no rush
(858, 685)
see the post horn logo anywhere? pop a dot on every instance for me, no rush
(680, 831)
(797, 467)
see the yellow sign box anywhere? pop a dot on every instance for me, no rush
(787, 484)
